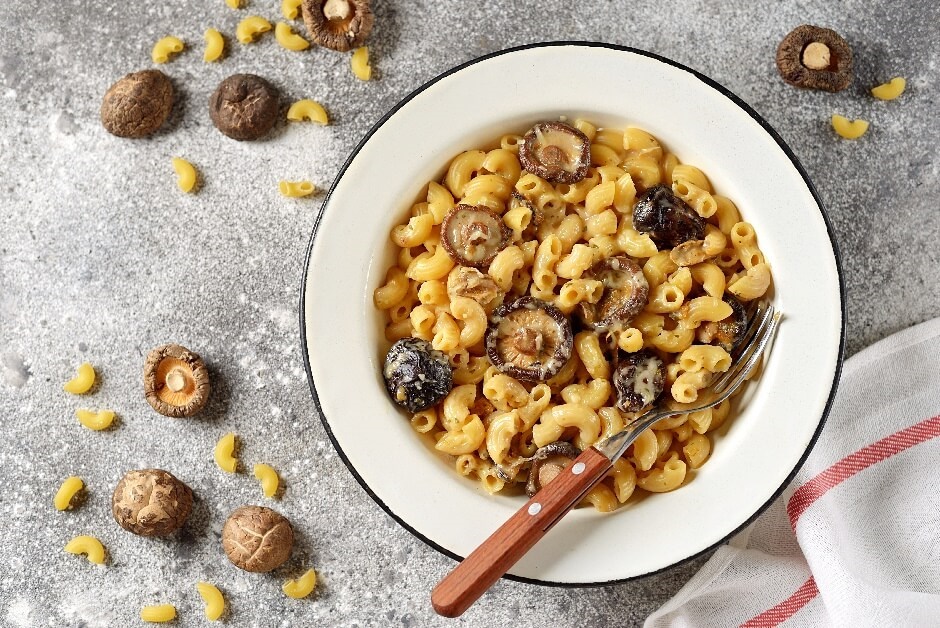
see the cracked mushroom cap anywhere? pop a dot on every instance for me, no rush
(473, 235)
(667, 219)
(556, 152)
(548, 462)
(466, 281)
(176, 382)
(815, 58)
(151, 502)
(257, 539)
(338, 24)
(529, 339)
(138, 104)
(638, 380)
(625, 293)
(244, 107)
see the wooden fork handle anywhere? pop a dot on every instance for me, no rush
(487, 563)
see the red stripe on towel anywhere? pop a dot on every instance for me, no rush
(785, 609)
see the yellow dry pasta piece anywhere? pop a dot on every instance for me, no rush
(82, 382)
(185, 174)
(890, 90)
(296, 189)
(234, 4)
(291, 8)
(302, 586)
(286, 36)
(89, 546)
(849, 129)
(360, 64)
(268, 478)
(165, 48)
(70, 487)
(307, 109)
(100, 420)
(215, 603)
(250, 28)
(215, 45)
(158, 613)
(225, 453)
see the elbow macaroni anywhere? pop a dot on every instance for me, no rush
(296, 189)
(166, 48)
(215, 45)
(360, 64)
(250, 28)
(185, 174)
(307, 109)
(286, 36)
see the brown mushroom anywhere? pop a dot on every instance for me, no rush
(465, 281)
(338, 24)
(473, 235)
(138, 104)
(548, 462)
(176, 382)
(638, 380)
(556, 152)
(529, 339)
(625, 293)
(244, 107)
(728, 332)
(667, 219)
(151, 502)
(815, 58)
(257, 539)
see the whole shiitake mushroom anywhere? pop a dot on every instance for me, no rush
(151, 502)
(244, 107)
(257, 539)
(176, 382)
(138, 104)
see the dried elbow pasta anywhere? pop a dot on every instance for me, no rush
(165, 48)
(67, 491)
(290, 9)
(296, 189)
(302, 586)
(360, 64)
(215, 603)
(82, 382)
(158, 613)
(268, 478)
(89, 546)
(307, 109)
(225, 453)
(234, 4)
(250, 28)
(186, 176)
(849, 129)
(286, 36)
(95, 420)
(215, 45)
(562, 240)
(890, 90)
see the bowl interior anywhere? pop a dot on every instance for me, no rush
(753, 455)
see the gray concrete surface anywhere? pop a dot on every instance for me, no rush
(101, 258)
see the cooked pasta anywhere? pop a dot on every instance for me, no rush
(559, 238)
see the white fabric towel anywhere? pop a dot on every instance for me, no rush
(854, 540)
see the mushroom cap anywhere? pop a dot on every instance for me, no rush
(257, 539)
(547, 463)
(417, 376)
(638, 380)
(473, 235)
(789, 59)
(176, 382)
(151, 502)
(556, 152)
(625, 293)
(138, 104)
(338, 34)
(667, 219)
(529, 339)
(244, 106)
(729, 331)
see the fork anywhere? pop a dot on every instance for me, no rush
(501, 550)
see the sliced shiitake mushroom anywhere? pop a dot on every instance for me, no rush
(815, 58)
(473, 235)
(728, 332)
(638, 380)
(466, 281)
(338, 24)
(625, 293)
(667, 219)
(417, 376)
(556, 151)
(176, 382)
(529, 339)
(548, 462)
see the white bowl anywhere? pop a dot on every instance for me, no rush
(703, 124)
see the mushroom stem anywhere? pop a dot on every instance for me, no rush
(337, 9)
(816, 56)
(176, 380)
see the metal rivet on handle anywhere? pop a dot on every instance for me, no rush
(578, 468)
(535, 508)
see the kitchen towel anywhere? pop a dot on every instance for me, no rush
(854, 540)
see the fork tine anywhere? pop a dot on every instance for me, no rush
(756, 349)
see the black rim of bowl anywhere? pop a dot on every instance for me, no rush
(704, 79)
